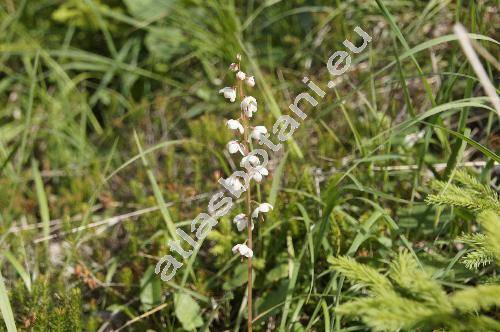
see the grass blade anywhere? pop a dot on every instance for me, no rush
(19, 268)
(5, 307)
(278, 175)
(43, 205)
(156, 190)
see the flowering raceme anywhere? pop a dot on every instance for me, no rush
(255, 168)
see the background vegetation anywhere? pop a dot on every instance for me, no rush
(110, 124)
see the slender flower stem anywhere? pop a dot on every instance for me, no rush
(248, 200)
(250, 245)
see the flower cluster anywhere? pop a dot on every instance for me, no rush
(242, 145)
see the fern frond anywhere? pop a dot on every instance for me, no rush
(389, 312)
(478, 258)
(490, 220)
(471, 195)
(478, 298)
(406, 273)
(473, 183)
(480, 255)
(459, 197)
(475, 240)
(361, 273)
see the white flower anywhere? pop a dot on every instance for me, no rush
(250, 81)
(243, 250)
(238, 57)
(258, 132)
(241, 221)
(234, 183)
(233, 67)
(258, 173)
(241, 75)
(262, 208)
(234, 146)
(235, 125)
(249, 106)
(229, 93)
(249, 161)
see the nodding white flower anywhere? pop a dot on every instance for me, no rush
(249, 161)
(243, 250)
(258, 173)
(258, 132)
(249, 106)
(241, 75)
(250, 81)
(234, 67)
(262, 208)
(234, 146)
(234, 183)
(241, 221)
(235, 125)
(229, 93)
(238, 57)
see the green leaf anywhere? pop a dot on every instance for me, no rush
(277, 273)
(150, 295)
(187, 311)
(278, 175)
(5, 308)
(43, 204)
(238, 279)
(19, 268)
(165, 43)
(271, 301)
(148, 9)
(156, 190)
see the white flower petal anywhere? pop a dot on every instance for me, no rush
(243, 250)
(249, 161)
(234, 146)
(229, 93)
(265, 207)
(234, 184)
(250, 81)
(241, 75)
(262, 208)
(235, 125)
(257, 173)
(257, 177)
(233, 67)
(258, 132)
(263, 170)
(241, 221)
(249, 106)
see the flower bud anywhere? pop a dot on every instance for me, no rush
(250, 81)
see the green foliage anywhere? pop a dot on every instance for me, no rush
(49, 307)
(187, 311)
(471, 194)
(362, 274)
(479, 198)
(490, 221)
(479, 255)
(414, 300)
(79, 13)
